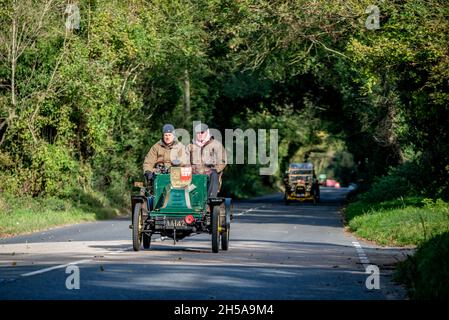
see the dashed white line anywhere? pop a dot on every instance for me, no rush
(361, 254)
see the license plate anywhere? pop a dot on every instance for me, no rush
(300, 194)
(171, 223)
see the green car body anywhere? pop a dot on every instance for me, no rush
(177, 206)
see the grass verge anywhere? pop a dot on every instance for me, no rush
(27, 214)
(409, 221)
(400, 222)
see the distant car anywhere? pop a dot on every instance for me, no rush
(352, 186)
(301, 183)
(322, 179)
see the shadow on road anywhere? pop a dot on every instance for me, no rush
(252, 269)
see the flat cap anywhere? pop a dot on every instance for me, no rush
(201, 127)
(168, 128)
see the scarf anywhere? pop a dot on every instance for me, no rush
(203, 142)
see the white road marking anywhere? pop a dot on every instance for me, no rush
(249, 210)
(54, 268)
(361, 254)
(121, 251)
(277, 231)
(41, 271)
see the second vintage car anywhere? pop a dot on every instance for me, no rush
(301, 184)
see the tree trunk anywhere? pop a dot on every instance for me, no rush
(13, 58)
(187, 98)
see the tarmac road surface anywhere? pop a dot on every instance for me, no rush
(276, 251)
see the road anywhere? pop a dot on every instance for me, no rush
(299, 251)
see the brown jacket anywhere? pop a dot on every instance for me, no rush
(212, 153)
(160, 152)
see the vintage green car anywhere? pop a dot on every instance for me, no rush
(176, 205)
(301, 184)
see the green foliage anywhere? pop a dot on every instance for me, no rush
(399, 222)
(56, 170)
(90, 102)
(90, 95)
(411, 178)
(398, 208)
(425, 274)
(27, 214)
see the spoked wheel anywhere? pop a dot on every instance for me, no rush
(215, 226)
(227, 226)
(146, 237)
(137, 226)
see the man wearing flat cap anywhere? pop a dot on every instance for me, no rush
(208, 156)
(166, 151)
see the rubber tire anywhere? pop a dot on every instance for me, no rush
(225, 240)
(215, 222)
(286, 201)
(146, 239)
(137, 238)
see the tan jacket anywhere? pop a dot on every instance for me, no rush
(212, 153)
(160, 152)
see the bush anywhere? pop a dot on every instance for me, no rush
(426, 274)
(54, 170)
(403, 181)
(50, 171)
